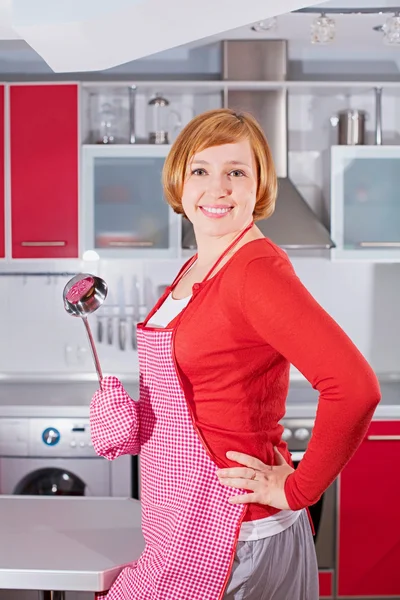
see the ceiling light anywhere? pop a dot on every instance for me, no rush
(322, 30)
(266, 25)
(391, 30)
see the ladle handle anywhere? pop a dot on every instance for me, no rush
(93, 349)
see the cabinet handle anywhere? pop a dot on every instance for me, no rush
(380, 244)
(130, 244)
(384, 438)
(40, 244)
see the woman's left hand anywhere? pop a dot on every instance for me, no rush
(266, 482)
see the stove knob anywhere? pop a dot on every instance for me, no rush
(286, 434)
(301, 434)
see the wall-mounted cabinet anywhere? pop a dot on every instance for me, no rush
(365, 202)
(39, 157)
(124, 213)
(2, 178)
(43, 121)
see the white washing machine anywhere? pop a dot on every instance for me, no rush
(55, 456)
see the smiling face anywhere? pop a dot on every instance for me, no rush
(220, 189)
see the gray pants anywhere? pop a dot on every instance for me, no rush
(280, 567)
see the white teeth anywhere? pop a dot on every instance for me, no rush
(219, 211)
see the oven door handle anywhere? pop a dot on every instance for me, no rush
(297, 456)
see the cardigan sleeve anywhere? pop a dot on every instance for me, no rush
(283, 313)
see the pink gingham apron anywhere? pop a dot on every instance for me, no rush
(190, 528)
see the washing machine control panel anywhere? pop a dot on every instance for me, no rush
(60, 437)
(41, 437)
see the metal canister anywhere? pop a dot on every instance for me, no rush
(351, 125)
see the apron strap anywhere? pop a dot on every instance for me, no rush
(228, 249)
(186, 268)
(183, 271)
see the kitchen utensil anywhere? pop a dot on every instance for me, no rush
(82, 295)
(132, 97)
(100, 332)
(135, 311)
(111, 113)
(161, 289)
(378, 116)
(109, 321)
(122, 315)
(351, 126)
(160, 116)
(107, 124)
(110, 330)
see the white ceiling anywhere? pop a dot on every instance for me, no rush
(355, 37)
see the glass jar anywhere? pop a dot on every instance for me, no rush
(159, 119)
(112, 112)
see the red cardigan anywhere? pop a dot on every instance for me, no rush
(233, 347)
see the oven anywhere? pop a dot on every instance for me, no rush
(296, 434)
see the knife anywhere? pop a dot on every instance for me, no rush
(135, 311)
(122, 315)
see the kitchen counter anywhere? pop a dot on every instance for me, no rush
(302, 400)
(72, 398)
(66, 543)
(51, 399)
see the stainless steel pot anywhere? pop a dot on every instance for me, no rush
(351, 127)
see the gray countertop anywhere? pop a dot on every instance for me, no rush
(72, 398)
(302, 400)
(51, 399)
(64, 543)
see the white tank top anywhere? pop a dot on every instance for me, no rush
(250, 530)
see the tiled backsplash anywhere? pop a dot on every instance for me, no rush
(39, 338)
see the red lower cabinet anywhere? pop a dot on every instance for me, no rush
(369, 522)
(325, 584)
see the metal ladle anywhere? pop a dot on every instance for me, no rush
(82, 295)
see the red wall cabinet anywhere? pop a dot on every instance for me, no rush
(44, 170)
(2, 180)
(369, 523)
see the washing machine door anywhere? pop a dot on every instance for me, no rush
(51, 482)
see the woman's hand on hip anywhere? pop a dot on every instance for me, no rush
(267, 483)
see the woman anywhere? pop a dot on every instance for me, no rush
(223, 510)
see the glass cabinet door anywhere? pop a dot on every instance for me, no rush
(124, 207)
(365, 202)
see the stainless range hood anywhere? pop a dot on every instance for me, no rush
(293, 225)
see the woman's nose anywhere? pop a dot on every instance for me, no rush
(219, 187)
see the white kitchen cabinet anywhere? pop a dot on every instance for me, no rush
(123, 211)
(365, 202)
